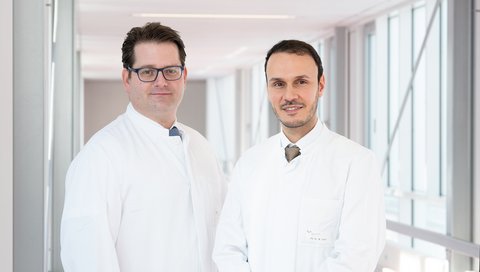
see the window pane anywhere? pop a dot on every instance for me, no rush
(443, 99)
(260, 105)
(393, 104)
(221, 119)
(399, 171)
(419, 104)
(371, 91)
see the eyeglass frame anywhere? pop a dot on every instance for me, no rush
(158, 70)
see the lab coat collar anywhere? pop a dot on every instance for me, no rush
(305, 142)
(151, 127)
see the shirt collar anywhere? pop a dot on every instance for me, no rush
(306, 140)
(148, 124)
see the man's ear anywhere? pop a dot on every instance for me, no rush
(321, 86)
(185, 72)
(126, 79)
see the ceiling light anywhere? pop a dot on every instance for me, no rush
(236, 52)
(213, 16)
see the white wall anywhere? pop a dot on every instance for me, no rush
(104, 100)
(6, 139)
(193, 109)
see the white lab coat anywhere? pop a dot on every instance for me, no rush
(139, 200)
(323, 211)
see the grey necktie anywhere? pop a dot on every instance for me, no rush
(291, 151)
(173, 132)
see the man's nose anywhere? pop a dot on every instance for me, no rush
(160, 80)
(290, 93)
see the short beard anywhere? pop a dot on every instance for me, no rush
(299, 123)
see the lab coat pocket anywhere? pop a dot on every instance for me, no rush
(318, 222)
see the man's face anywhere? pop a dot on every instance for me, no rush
(294, 90)
(157, 100)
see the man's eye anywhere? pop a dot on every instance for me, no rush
(302, 82)
(147, 72)
(170, 71)
(277, 84)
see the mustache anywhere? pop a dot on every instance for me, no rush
(291, 103)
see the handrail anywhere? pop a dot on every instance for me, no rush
(455, 244)
(401, 194)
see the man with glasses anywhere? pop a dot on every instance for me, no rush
(145, 191)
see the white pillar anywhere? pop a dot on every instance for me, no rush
(459, 126)
(29, 74)
(476, 156)
(338, 82)
(6, 137)
(65, 103)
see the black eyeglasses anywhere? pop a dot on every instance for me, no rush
(147, 74)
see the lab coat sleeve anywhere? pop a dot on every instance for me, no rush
(91, 215)
(230, 251)
(361, 237)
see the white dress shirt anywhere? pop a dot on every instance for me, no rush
(323, 211)
(140, 200)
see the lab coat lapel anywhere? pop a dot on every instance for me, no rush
(178, 156)
(199, 200)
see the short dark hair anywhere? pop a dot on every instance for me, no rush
(295, 47)
(150, 32)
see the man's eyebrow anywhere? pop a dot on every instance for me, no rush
(281, 79)
(275, 79)
(302, 76)
(155, 67)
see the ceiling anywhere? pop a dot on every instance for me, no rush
(214, 46)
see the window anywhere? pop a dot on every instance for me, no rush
(370, 75)
(260, 105)
(221, 119)
(413, 133)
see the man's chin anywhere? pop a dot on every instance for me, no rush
(292, 124)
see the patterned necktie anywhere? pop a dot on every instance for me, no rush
(173, 132)
(291, 151)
